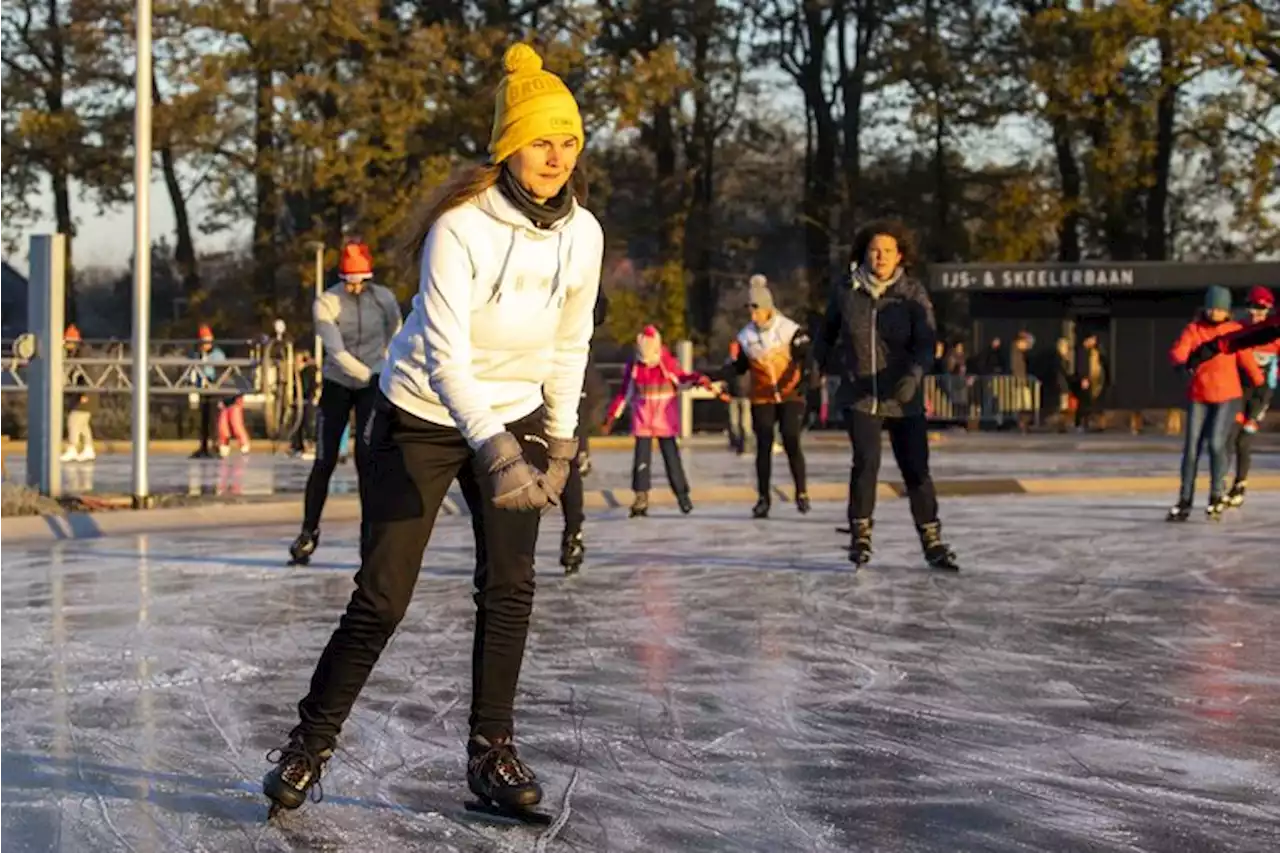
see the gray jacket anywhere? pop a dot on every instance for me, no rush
(880, 341)
(355, 331)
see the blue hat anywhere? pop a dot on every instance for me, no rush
(1217, 297)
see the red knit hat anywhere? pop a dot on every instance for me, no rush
(71, 334)
(356, 261)
(206, 332)
(1260, 296)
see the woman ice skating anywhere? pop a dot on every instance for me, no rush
(775, 350)
(651, 382)
(1214, 399)
(880, 319)
(1257, 401)
(485, 373)
(573, 547)
(356, 320)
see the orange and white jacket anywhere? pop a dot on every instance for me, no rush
(776, 357)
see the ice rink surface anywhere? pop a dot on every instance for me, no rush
(264, 474)
(1094, 680)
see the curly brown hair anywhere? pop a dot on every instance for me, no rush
(895, 228)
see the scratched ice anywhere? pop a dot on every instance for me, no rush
(1095, 680)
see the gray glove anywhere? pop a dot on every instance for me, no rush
(560, 453)
(514, 483)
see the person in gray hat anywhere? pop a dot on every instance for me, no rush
(774, 349)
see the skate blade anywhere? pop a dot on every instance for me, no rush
(845, 530)
(528, 816)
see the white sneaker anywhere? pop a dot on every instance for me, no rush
(70, 455)
(244, 450)
(87, 455)
(224, 450)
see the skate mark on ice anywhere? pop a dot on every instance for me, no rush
(566, 809)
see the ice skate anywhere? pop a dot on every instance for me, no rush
(1217, 506)
(859, 530)
(936, 552)
(504, 786)
(1235, 497)
(802, 503)
(686, 505)
(1180, 511)
(224, 450)
(296, 774)
(640, 505)
(572, 552)
(761, 509)
(303, 547)
(86, 455)
(70, 455)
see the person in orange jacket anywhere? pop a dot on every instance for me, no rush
(1215, 393)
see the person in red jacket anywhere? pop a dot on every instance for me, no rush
(1215, 393)
(1260, 302)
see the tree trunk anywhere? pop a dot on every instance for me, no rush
(1158, 197)
(700, 150)
(184, 254)
(1072, 185)
(59, 166)
(264, 212)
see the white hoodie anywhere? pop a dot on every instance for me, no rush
(502, 320)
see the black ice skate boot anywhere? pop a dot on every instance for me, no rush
(1235, 497)
(504, 785)
(686, 505)
(296, 774)
(1217, 506)
(936, 552)
(640, 505)
(303, 547)
(761, 509)
(572, 552)
(802, 503)
(860, 541)
(1180, 511)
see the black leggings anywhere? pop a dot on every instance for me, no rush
(789, 417)
(413, 463)
(909, 438)
(642, 465)
(336, 403)
(1256, 403)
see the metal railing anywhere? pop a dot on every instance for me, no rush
(984, 399)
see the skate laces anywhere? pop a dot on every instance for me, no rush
(299, 766)
(500, 761)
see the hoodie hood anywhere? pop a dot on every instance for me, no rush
(496, 204)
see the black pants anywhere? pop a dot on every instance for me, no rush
(411, 465)
(336, 403)
(1256, 403)
(642, 466)
(208, 415)
(572, 500)
(306, 429)
(909, 438)
(789, 417)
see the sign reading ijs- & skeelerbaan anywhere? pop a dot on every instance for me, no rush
(1137, 275)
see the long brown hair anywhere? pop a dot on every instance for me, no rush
(464, 184)
(895, 228)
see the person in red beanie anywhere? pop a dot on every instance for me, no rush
(651, 382)
(209, 353)
(1260, 302)
(356, 320)
(80, 405)
(1214, 399)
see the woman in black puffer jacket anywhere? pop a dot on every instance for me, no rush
(879, 326)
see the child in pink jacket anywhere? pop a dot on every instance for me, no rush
(651, 382)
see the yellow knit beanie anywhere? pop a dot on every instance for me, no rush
(530, 104)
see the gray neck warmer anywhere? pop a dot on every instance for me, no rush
(867, 280)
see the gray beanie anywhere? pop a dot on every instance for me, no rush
(759, 293)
